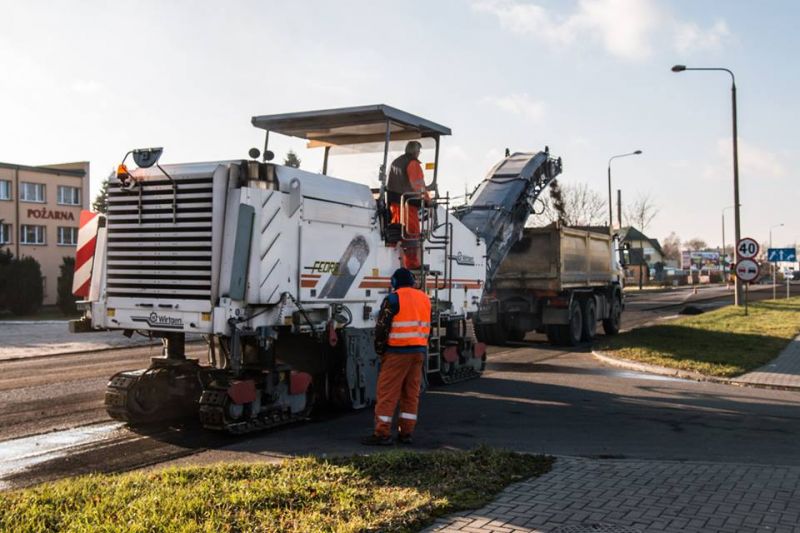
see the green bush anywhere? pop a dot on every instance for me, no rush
(23, 291)
(66, 301)
(5, 259)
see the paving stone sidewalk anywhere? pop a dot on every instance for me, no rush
(783, 371)
(642, 496)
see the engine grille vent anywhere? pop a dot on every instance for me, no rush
(154, 253)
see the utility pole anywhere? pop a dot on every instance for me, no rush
(610, 207)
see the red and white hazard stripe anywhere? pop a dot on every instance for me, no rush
(84, 256)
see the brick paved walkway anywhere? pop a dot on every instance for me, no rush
(646, 496)
(784, 371)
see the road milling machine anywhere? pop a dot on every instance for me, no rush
(283, 271)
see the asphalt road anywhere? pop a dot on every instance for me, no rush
(533, 397)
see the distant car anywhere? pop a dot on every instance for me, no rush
(796, 275)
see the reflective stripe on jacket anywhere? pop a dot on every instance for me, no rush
(412, 324)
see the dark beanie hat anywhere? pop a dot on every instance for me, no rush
(402, 277)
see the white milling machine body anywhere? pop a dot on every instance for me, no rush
(281, 270)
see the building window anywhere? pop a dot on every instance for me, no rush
(31, 192)
(5, 190)
(5, 233)
(67, 236)
(31, 234)
(69, 195)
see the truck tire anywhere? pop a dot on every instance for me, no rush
(499, 334)
(612, 324)
(589, 320)
(553, 333)
(483, 332)
(571, 333)
(515, 335)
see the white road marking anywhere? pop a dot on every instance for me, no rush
(22, 453)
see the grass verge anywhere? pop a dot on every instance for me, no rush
(393, 491)
(722, 343)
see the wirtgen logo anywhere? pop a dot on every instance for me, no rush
(160, 321)
(164, 320)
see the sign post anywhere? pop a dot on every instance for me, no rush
(747, 269)
(776, 255)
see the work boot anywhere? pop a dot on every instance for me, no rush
(408, 439)
(377, 440)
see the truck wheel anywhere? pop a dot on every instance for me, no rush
(589, 320)
(515, 335)
(499, 334)
(482, 332)
(612, 324)
(571, 333)
(553, 333)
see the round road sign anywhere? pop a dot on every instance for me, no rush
(747, 248)
(747, 270)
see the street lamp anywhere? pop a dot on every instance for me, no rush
(736, 218)
(610, 210)
(724, 252)
(774, 274)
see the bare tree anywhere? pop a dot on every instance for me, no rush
(697, 244)
(671, 246)
(641, 212)
(573, 204)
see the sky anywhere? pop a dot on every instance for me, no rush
(91, 80)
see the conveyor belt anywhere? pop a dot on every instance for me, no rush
(501, 204)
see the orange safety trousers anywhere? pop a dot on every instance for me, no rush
(398, 382)
(410, 247)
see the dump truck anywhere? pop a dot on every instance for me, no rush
(283, 270)
(556, 280)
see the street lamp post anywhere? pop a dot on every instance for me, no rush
(736, 205)
(610, 209)
(774, 274)
(724, 252)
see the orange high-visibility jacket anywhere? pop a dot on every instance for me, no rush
(412, 325)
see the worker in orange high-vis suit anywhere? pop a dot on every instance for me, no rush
(406, 176)
(401, 337)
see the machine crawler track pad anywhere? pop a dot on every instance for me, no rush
(462, 369)
(148, 396)
(219, 412)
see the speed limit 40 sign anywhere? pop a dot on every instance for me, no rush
(747, 248)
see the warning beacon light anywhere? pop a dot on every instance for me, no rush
(143, 157)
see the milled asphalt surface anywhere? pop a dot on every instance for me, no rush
(533, 398)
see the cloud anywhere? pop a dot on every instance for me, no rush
(622, 26)
(520, 104)
(755, 162)
(689, 37)
(89, 87)
(628, 29)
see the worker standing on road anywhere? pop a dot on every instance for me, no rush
(406, 176)
(401, 338)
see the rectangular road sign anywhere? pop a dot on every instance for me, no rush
(775, 255)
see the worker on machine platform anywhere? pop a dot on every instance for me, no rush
(406, 176)
(401, 339)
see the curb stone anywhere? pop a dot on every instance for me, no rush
(683, 374)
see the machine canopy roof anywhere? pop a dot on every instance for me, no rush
(350, 125)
